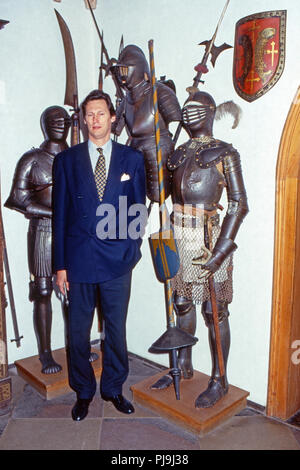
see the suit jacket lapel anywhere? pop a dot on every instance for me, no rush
(86, 174)
(85, 171)
(114, 174)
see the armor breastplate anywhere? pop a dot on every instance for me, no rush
(139, 113)
(197, 177)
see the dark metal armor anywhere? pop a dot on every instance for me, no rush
(137, 114)
(202, 168)
(31, 194)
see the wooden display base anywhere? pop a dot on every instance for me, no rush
(51, 385)
(5, 395)
(183, 412)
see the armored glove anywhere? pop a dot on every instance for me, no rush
(223, 248)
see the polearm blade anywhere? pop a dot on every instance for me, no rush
(99, 33)
(210, 49)
(3, 23)
(71, 93)
(71, 75)
(109, 61)
(121, 47)
(217, 28)
(202, 68)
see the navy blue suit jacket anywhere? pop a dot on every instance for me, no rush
(76, 246)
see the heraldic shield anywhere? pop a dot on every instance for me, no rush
(259, 53)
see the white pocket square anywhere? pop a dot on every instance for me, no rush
(125, 177)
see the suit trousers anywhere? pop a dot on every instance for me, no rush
(114, 299)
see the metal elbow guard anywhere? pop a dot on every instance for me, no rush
(238, 208)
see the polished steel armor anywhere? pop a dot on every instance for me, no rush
(201, 169)
(31, 194)
(136, 113)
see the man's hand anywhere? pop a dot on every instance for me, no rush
(61, 281)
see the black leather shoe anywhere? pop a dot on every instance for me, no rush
(120, 403)
(80, 409)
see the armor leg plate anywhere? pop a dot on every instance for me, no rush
(186, 320)
(217, 385)
(40, 295)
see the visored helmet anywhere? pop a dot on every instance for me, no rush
(199, 111)
(55, 123)
(132, 66)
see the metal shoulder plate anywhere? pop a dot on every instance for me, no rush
(168, 104)
(206, 154)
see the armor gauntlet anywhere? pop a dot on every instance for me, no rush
(236, 211)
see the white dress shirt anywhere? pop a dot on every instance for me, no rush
(94, 154)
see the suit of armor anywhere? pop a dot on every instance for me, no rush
(31, 194)
(202, 168)
(136, 113)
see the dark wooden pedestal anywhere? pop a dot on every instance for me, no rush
(51, 385)
(5, 395)
(183, 412)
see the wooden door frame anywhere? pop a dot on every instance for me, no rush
(283, 398)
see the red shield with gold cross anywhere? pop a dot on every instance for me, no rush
(259, 53)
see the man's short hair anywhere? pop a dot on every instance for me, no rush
(98, 95)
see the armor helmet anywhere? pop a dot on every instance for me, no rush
(132, 67)
(199, 112)
(55, 123)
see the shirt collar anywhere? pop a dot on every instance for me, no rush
(94, 154)
(106, 147)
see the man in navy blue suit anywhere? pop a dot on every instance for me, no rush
(92, 254)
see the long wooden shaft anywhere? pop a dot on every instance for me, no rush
(163, 208)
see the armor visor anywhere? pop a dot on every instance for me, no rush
(60, 124)
(193, 113)
(124, 72)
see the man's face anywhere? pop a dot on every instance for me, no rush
(98, 121)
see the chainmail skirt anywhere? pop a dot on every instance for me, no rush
(189, 234)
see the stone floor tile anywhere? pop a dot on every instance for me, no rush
(17, 385)
(139, 367)
(36, 423)
(29, 403)
(32, 405)
(60, 409)
(145, 434)
(247, 412)
(109, 411)
(295, 420)
(51, 434)
(4, 419)
(250, 433)
(296, 433)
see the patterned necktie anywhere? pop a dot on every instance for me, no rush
(100, 174)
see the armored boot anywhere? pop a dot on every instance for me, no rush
(186, 321)
(217, 385)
